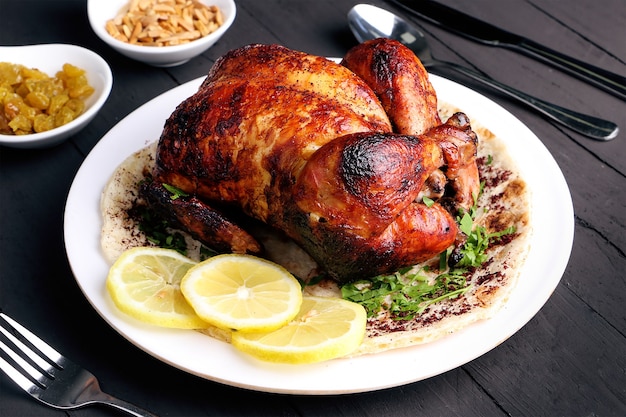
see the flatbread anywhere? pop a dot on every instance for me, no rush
(120, 231)
(505, 202)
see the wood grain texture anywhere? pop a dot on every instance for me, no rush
(569, 360)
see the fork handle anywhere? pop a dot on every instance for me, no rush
(122, 405)
(587, 125)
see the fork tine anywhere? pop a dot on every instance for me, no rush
(61, 383)
(26, 367)
(33, 356)
(17, 377)
(52, 355)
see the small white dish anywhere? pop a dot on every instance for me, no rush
(99, 12)
(50, 58)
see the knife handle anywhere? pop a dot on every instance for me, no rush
(483, 32)
(603, 79)
(587, 125)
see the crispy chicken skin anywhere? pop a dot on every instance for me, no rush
(262, 111)
(399, 80)
(203, 222)
(307, 146)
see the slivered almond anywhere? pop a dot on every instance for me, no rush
(135, 34)
(164, 22)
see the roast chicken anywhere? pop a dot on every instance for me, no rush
(349, 160)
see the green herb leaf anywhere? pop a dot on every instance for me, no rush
(428, 201)
(175, 191)
(157, 230)
(466, 223)
(478, 241)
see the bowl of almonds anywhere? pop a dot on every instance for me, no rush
(162, 33)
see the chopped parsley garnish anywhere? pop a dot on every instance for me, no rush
(156, 231)
(176, 192)
(478, 240)
(474, 249)
(406, 294)
(159, 233)
(428, 201)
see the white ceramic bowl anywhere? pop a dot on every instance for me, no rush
(50, 58)
(100, 11)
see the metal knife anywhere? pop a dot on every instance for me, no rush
(486, 33)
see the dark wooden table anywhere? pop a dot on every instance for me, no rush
(569, 360)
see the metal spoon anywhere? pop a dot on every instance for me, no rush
(371, 22)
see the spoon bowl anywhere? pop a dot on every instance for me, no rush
(370, 22)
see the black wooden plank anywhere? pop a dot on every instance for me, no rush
(539, 79)
(596, 275)
(568, 361)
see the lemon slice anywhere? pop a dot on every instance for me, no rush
(144, 283)
(325, 328)
(242, 292)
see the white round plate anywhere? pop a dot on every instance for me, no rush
(218, 361)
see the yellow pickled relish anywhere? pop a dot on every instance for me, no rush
(33, 102)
